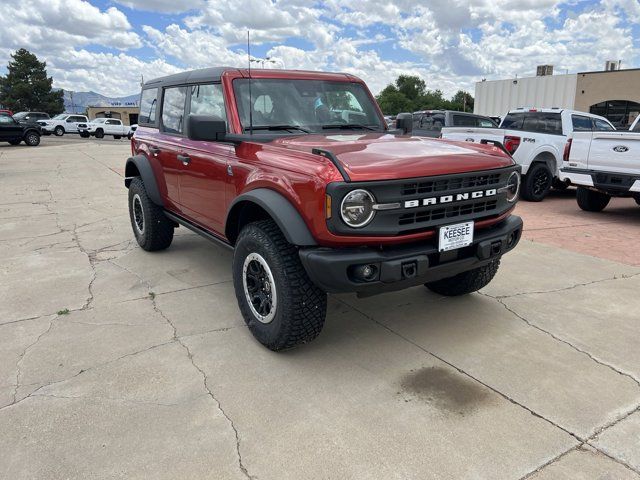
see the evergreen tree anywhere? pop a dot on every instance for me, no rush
(26, 86)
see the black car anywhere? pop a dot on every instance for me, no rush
(15, 132)
(429, 123)
(30, 117)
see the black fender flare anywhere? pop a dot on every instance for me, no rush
(281, 210)
(143, 166)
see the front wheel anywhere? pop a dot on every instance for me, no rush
(152, 229)
(592, 201)
(32, 139)
(99, 133)
(278, 301)
(537, 182)
(465, 282)
(58, 131)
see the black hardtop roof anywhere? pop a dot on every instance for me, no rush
(192, 76)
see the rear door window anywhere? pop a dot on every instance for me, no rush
(513, 121)
(580, 123)
(550, 123)
(602, 126)
(173, 104)
(148, 106)
(464, 121)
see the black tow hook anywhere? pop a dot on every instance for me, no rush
(409, 269)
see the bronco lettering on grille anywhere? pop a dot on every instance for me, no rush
(424, 202)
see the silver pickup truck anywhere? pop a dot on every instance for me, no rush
(603, 165)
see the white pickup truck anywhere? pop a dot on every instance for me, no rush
(603, 165)
(538, 140)
(100, 127)
(63, 123)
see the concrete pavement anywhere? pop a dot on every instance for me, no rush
(118, 363)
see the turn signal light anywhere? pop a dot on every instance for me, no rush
(327, 206)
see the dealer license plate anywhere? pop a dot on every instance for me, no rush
(455, 236)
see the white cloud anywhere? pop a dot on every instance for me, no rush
(450, 43)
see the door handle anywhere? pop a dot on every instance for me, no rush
(185, 159)
(154, 150)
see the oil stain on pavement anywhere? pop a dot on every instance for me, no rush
(444, 389)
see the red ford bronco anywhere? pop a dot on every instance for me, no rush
(299, 174)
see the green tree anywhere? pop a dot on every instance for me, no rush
(27, 87)
(462, 101)
(412, 87)
(392, 101)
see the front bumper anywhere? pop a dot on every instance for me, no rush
(332, 270)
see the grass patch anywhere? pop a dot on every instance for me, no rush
(63, 312)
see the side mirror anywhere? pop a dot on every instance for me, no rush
(207, 128)
(404, 123)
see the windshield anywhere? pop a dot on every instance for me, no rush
(60, 116)
(305, 105)
(98, 120)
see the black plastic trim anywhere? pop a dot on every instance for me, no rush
(148, 178)
(283, 213)
(329, 155)
(197, 229)
(329, 268)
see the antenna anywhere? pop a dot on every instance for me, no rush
(249, 63)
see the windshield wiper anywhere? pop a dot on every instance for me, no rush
(277, 127)
(350, 126)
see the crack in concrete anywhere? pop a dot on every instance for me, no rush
(561, 340)
(552, 461)
(564, 289)
(178, 339)
(118, 399)
(465, 373)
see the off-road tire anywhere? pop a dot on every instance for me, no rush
(537, 182)
(32, 139)
(301, 306)
(157, 231)
(58, 131)
(591, 201)
(465, 282)
(15, 142)
(99, 133)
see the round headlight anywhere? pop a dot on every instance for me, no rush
(513, 187)
(356, 208)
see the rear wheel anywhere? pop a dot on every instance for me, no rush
(537, 182)
(32, 139)
(465, 282)
(152, 229)
(278, 301)
(99, 133)
(58, 131)
(592, 201)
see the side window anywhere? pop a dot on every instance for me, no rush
(78, 119)
(6, 120)
(530, 123)
(513, 121)
(173, 109)
(208, 100)
(601, 126)
(148, 106)
(550, 123)
(580, 123)
(637, 127)
(463, 121)
(485, 123)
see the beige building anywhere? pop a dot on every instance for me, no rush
(128, 114)
(614, 94)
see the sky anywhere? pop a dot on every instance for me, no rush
(107, 45)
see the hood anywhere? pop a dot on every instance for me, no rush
(381, 156)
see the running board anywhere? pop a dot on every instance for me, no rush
(197, 229)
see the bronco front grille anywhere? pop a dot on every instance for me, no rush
(447, 184)
(452, 211)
